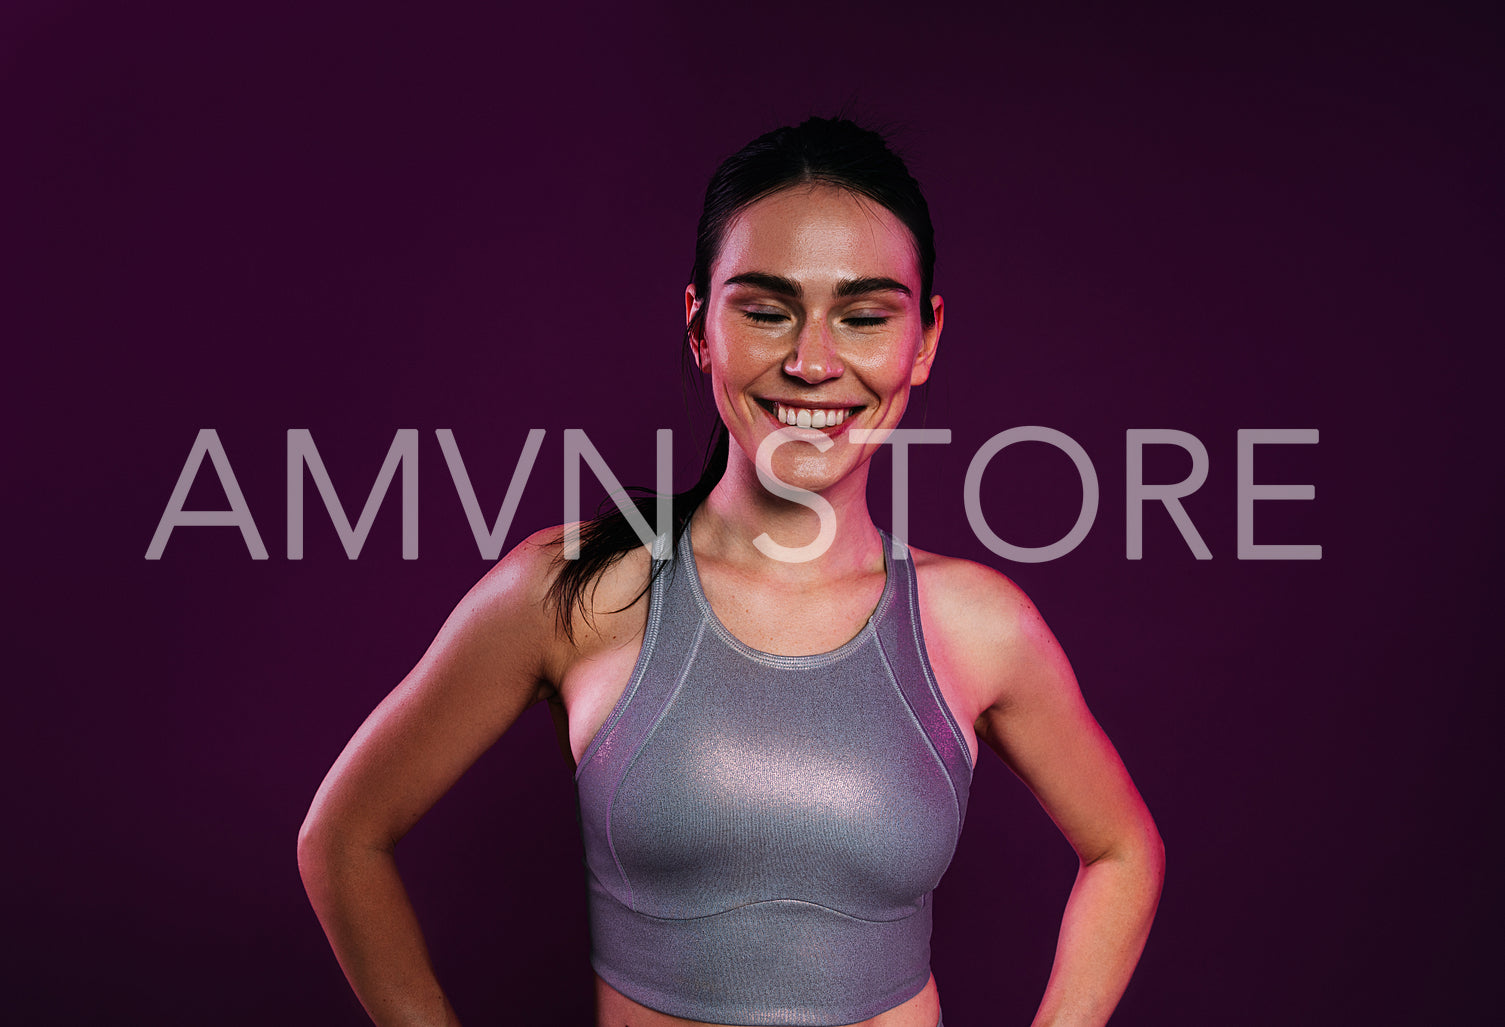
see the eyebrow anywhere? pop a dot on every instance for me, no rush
(862, 286)
(781, 286)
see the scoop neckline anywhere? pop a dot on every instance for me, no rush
(863, 635)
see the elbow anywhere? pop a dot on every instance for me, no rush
(313, 847)
(322, 837)
(1138, 855)
(1149, 856)
(1148, 844)
(332, 845)
(1155, 857)
(1148, 848)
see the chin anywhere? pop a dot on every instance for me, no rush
(812, 475)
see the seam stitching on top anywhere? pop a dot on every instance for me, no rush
(919, 908)
(658, 719)
(919, 725)
(868, 631)
(925, 668)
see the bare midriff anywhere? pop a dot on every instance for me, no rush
(613, 1009)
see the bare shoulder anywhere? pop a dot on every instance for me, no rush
(524, 581)
(510, 601)
(970, 600)
(525, 573)
(962, 583)
(982, 628)
(500, 631)
(535, 562)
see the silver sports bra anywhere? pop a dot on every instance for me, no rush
(763, 833)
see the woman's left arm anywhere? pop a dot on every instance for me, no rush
(1034, 717)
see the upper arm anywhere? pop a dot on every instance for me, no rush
(1030, 711)
(490, 661)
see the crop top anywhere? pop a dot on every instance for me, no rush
(763, 833)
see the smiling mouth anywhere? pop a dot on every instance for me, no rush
(807, 417)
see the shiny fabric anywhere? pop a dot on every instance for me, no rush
(763, 833)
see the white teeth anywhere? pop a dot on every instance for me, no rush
(804, 417)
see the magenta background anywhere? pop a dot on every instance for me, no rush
(355, 219)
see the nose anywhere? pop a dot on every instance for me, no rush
(814, 358)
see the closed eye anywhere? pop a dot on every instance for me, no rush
(866, 322)
(764, 317)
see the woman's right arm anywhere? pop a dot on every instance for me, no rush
(494, 657)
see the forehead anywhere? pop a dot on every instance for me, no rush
(815, 232)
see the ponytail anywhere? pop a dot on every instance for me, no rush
(608, 537)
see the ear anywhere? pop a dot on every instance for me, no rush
(930, 340)
(697, 344)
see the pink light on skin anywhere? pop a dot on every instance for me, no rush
(813, 305)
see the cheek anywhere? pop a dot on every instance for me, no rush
(738, 358)
(727, 374)
(887, 371)
(731, 376)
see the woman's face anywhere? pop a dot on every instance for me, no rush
(814, 321)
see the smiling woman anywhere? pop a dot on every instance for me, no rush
(773, 754)
(813, 322)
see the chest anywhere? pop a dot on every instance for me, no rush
(742, 780)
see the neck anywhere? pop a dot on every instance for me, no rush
(740, 510)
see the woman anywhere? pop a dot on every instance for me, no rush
(775, 714)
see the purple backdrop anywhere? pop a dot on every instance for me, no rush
(359, 219)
